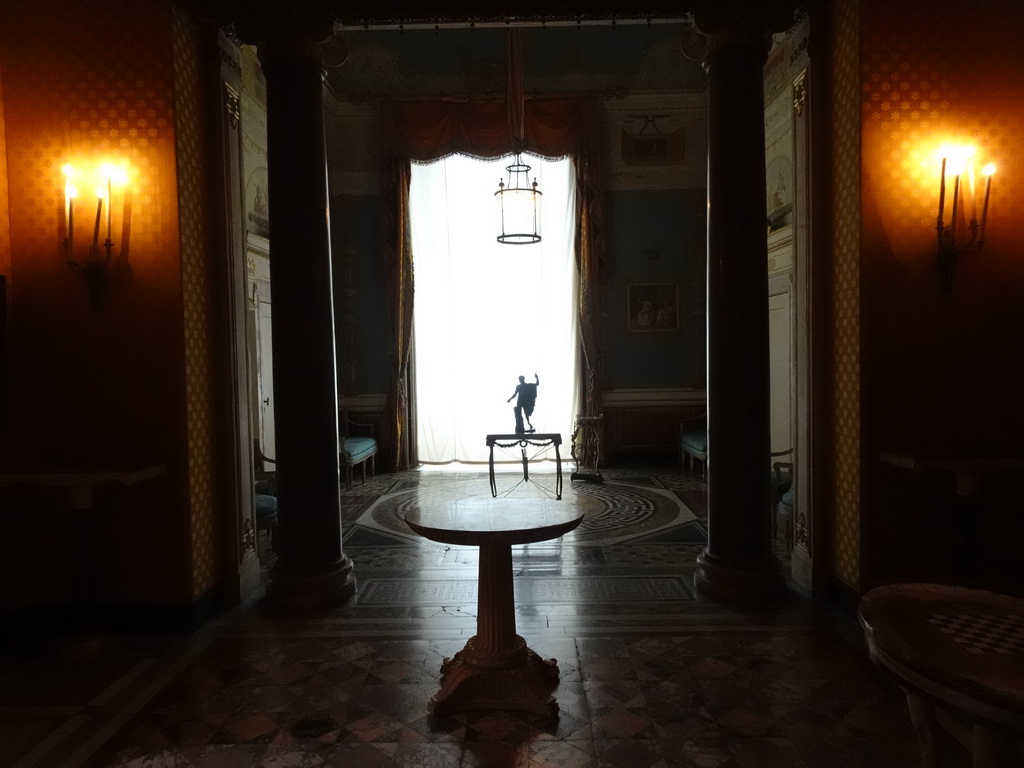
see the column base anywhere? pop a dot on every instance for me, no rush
(525, 686)
(311, 589)
(738, 581)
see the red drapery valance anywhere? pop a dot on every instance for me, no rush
(427, 130)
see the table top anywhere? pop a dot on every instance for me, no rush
(965, 469)
(970, 640)
(81, 477)
(547, 437)
(476, 521)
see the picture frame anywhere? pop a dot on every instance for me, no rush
(652, 307)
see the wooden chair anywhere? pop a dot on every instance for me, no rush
(783, 496)
(266, 495)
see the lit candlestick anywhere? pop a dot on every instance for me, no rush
(110, 206)
(70, 193)
(96, 228)
(974, 196)
(956, 206)
(987, 172)
(942, 194)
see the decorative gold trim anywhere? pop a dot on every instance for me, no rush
(801, 530)
(232, 103)
(248, 536)
(800, 93)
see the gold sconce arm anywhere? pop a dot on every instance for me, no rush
(953, 242)
(95, 268)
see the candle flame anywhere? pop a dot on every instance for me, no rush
(988, 170)
(101, 193)
(114, 173)
(70, 190)
(68, 170)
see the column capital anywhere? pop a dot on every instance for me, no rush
(305, 39)
(732, 24)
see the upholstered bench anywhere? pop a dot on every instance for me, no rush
(783, 498)
(266, 516)
(693, 444)
(357, 450)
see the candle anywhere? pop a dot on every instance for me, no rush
(942, 194)
(70, 193)
(974, 196)
(988, 170)
(956, 206)
(110, 200)
(96, 228)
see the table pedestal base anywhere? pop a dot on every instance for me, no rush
(521, 681)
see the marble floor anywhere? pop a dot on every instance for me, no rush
(651, 676)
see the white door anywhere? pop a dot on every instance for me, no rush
(781, 370)
(266, 393)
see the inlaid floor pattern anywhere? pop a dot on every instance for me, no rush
(650, 676)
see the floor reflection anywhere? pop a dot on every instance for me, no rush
(650, 676)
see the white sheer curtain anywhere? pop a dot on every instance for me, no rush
(485, 313)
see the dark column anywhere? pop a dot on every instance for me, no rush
(738, 563)
(311, 569)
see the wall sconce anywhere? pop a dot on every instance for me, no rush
(95, 267)
(962, 235)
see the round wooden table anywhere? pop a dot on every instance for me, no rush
(496, 669)
(957, 649)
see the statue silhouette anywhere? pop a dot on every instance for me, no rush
(527, 394)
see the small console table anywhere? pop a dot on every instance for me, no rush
(956, 649)
(522, 440)
(966, 472)
(81, 486)
(496, 669)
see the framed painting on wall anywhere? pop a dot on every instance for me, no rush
(652, 307)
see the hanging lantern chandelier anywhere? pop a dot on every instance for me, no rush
(518, 206)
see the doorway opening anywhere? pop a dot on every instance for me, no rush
(487, 313)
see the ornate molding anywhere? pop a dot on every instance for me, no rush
(800, 93)
(248, 537)
(232, 105)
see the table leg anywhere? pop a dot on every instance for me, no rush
(922, 715)
(490, 471)
(558, 473)
(496, 670)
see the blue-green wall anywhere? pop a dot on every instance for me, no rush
(357, 225)
(655, 236)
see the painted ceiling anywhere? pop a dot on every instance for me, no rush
(467, 63)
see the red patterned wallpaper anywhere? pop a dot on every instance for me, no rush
(941, 372)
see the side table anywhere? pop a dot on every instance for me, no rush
(957, 649)
(496, 669)
(522, 440)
